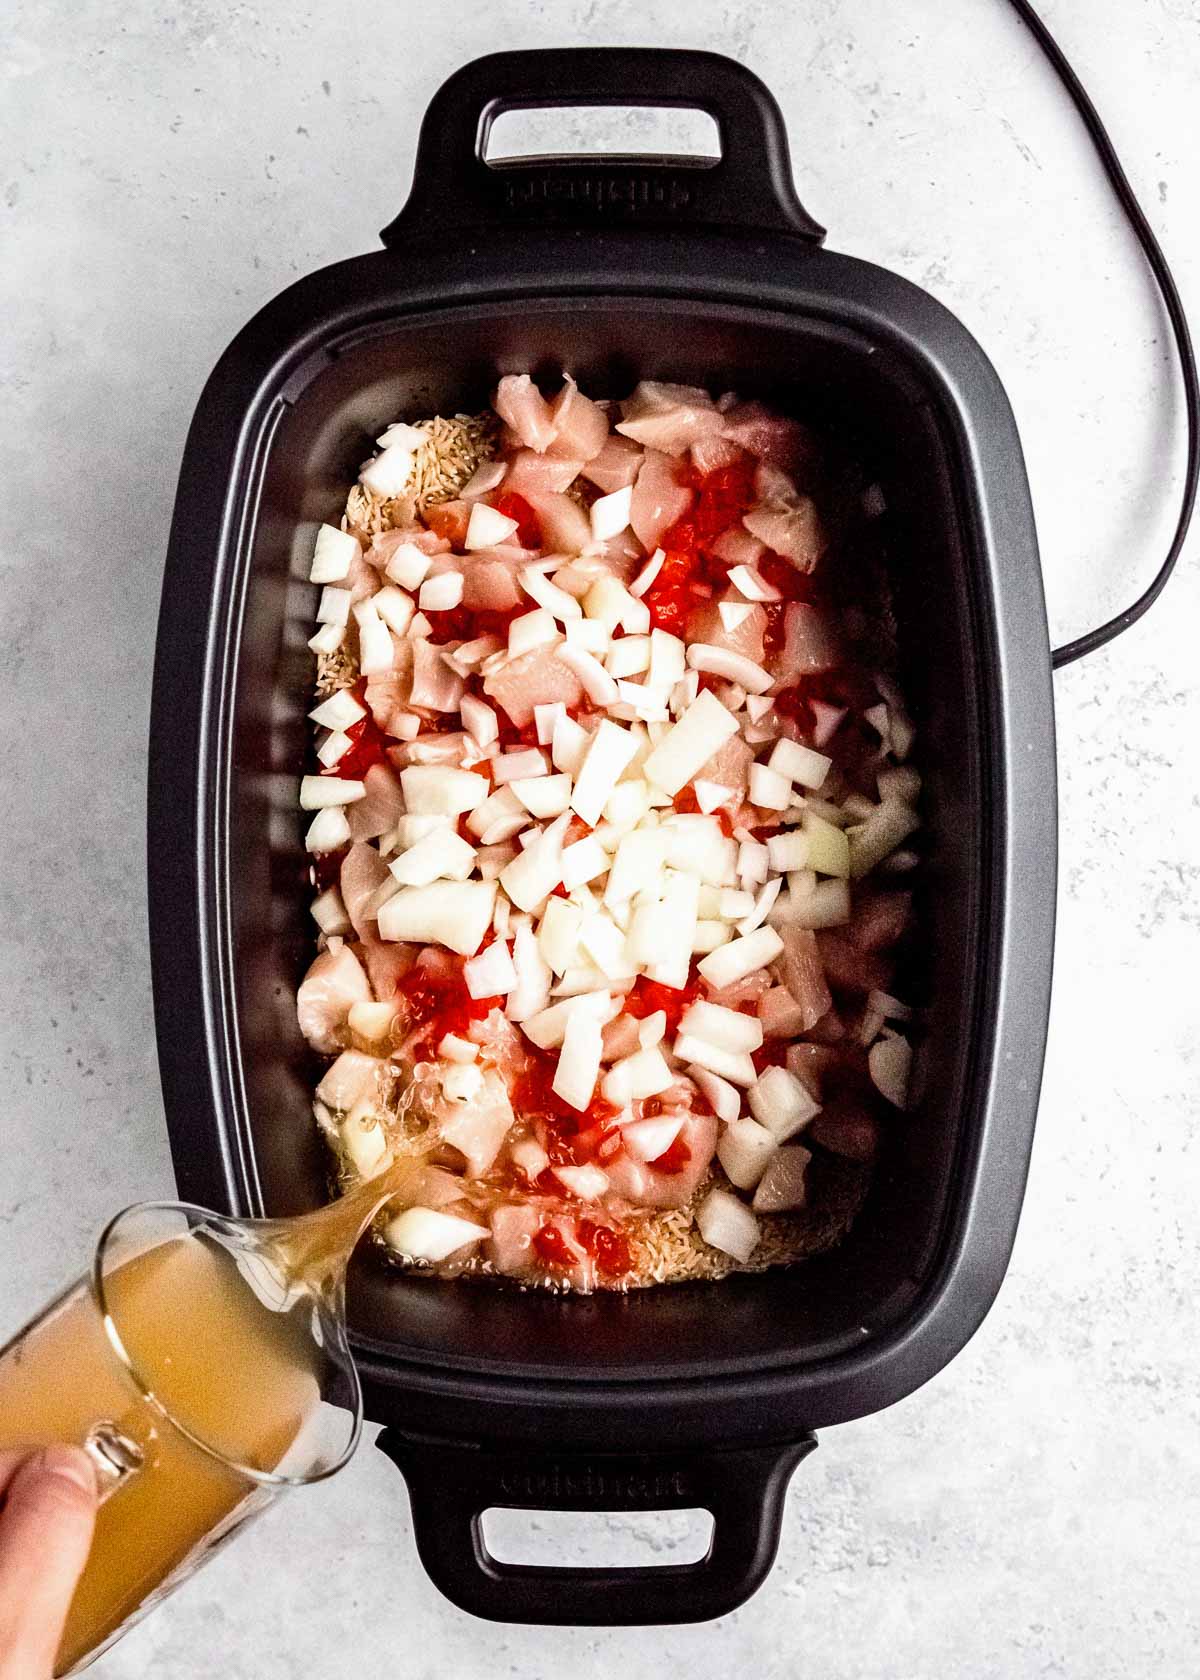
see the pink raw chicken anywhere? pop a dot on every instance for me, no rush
(384, 546)
(490, 584)
(514, 1226)
(434, 685)
(380, 808)
(334, 981)
(616, 465)
(519, 402)
(712, 452)
(730, 765)
(530, 474)
(361, 580)
(705, 624)
(809, 643)
(792, 529)
(536, 678)
(565, 526)
(738, 548)
(668, 417)
(879, 920)
(804, 973)
(658, 499)
(645, 1187)
(580, 425)
(478, 1128)
(386, 963)
(387, 692)
(363, 872)
(771, 437)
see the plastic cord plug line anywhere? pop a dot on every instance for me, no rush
(1161, 271)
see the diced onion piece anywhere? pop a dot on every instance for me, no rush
(544, 796)
(627, 804)
(558, 934)
(668, 662)
(610, 514)
(889, 1062)
(888, 825)
(388, 473)
(452, 1048)
(441, 592)
(588, 1182)
(628, 656)
(728, 1029)
(733, 614)
(335, 745)
(733, 1065)
(752, 584)
(487, 527)
(708, 935)
(764, 903)
(329, 912)
(545, 718)
(646, 1140)
(491, 973)
(607, 601)
(530, 1157)
(568, 744)
(745, 1150)
(637, 865)
(799, 763)
(825, 904)
(589, 635)
(680, 895)
(372, 1021)
(643, 1074)
(401, 433)
(532, 630)
(334, 605)
(488, 475)
(328, 830)
(648, 573)
(828, 848)
(710, 796)
(899, 782)
(441, 855)
(531, 994)
(768, 789)
(441, 790)
(781, 1103)
(727, 1224)
(333, 554)
(608, 755)
(722, 662)
(534, 875)
(733, 904)
(549, 596)
(599, 687)
(375, 651)
(408, 565)
(889, 1007)
(826, 721)
(548, 1027)
(757, 706)
(328, 639)
(578, 1065)
(650, 932)
(456, 914)
(394, 607)
(788, 850)
(651, 1029)
(733, 962)
(782, 1188)
(753, 862)
(723, 1098)
(429, 1234)
(690, 743)
(479, 720)
(583, 861)
(602, 940)
(419, 630)
(318, 792)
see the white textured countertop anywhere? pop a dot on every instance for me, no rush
(169, 167)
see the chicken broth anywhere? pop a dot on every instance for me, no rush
(611, 826)
(236, 1375)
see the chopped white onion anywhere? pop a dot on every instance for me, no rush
(578, 1065)
(733, 962)
(727, 1224)
(456, 914)
(452, 1048)
(648, 573)
(589, 635)
(317, 792)
(668, 662)
(491, 973)
(488, 475)
(888, 825)
(728, 1029)
(406, 436)
(441, 855)
(408, 565)
(558, 935)
(548, 595)
(733, 1065)
(722, 662)
(768, 789)
(680, 895)
(569, 743)
(753, 862)
(764, 903)
(583, 861)
(599, 687)
(644, 1074)
(890, 1063)
(441, 790)
(781, 1103)
(334, 605)
(387, 474)
(334, 746)
(534, 875)
(544, 796)
(375, 651)
(372, 1021)
(328, 639)
(651, 1029)
(428, 1234)
(782, 1187)
(690, 743)
(441, 592)
(752, 584)
(646, 1140)
(710, 796)
(828, 847)
(479, 720)
(333, 555)
(394, 607)
(608, 755)
(487, 527)
(531, 994)
(637, 865)
(610, 514)
(744, 1150)
(628, 656)
(733, 614)
(799, 763)
(723, 1098)
(757, 706)
(328, 830)
(588, 1182)
(825, 904)
(329, 912)
(532, 630)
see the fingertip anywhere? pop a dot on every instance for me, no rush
(71, 1464)
(59, 1476)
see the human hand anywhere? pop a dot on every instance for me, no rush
(47, 1513)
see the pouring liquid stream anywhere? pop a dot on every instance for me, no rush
(195, 1371)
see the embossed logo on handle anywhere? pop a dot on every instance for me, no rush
(592, 1482)
(606, 192)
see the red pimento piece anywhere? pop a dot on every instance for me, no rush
(687, 804)
(649, 996)
(608, 1248)
(552, 1247)
(772, 1053)
(514, 506)
(437, 1000)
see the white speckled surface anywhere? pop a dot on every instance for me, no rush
(166, 169)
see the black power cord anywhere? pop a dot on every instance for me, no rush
(1160, 269)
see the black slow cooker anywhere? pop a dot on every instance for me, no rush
(704, 271)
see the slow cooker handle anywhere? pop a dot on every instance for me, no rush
(451, 1485)
(749, 186)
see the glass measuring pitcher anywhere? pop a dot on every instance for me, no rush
(203, 1365)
